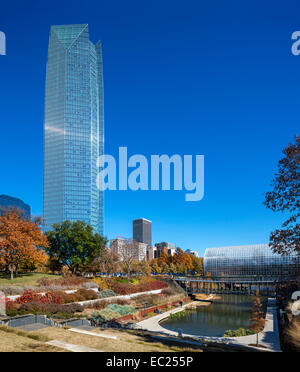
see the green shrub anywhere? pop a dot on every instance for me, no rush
(106, 293)
(238, 332)
(108, 314)
(114, 311)
(121, 309)
(180, 314)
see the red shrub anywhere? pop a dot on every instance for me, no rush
(143, 286)
(80, 295)
(11, 305)
(32, 296)
(62, 282)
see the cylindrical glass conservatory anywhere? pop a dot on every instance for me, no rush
(249, 260)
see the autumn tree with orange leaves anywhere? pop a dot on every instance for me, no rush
(183, 260)
(180, 262)
(21, 240)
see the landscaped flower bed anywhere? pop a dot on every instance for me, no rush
(32, 296)
(121, 286)
(74, 282)
(49, 303)
(150, 311)
(114, 311)
(143, 285)
(78, 296)
(106, 293)
(50, 309)
(60, 304)
(51, 284)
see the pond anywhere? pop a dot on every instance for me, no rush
(227, 312)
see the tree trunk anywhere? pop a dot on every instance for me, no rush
(257, 339)
(128, 274)
(11, 272)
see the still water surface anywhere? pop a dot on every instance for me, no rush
(229, 312)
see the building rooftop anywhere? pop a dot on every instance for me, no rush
(144, 219)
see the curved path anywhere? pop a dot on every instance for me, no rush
(268, 338)
(152, 324)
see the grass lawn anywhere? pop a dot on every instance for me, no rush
(19, 341)
(12, 342)
(23, 279)
(126, 342)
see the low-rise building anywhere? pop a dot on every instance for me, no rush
(151, 253)
(168, 248)
(123, 248)
(192, 253)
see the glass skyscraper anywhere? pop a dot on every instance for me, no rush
(7, 202)
(74, 128)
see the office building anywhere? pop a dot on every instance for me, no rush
(73, 128)
(142, 231)
(7, 202)
(192, 253)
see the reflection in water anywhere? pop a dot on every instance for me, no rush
(229, 312)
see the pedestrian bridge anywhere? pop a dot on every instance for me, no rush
(242, 286)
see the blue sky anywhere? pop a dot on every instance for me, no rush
(181, 77)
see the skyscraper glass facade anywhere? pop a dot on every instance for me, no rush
(249, 260)
(73, 128)
(7, 202)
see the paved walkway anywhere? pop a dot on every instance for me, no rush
(152, 324)
(269, 338)
(72, 347)
(84, 332)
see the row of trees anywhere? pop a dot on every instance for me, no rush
(180, 262)
(74, 246)
(23, 246)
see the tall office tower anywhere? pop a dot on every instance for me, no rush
(7, 202)
(74, 128)
(142, 231)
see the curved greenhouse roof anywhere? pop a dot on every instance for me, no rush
(249, 260)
